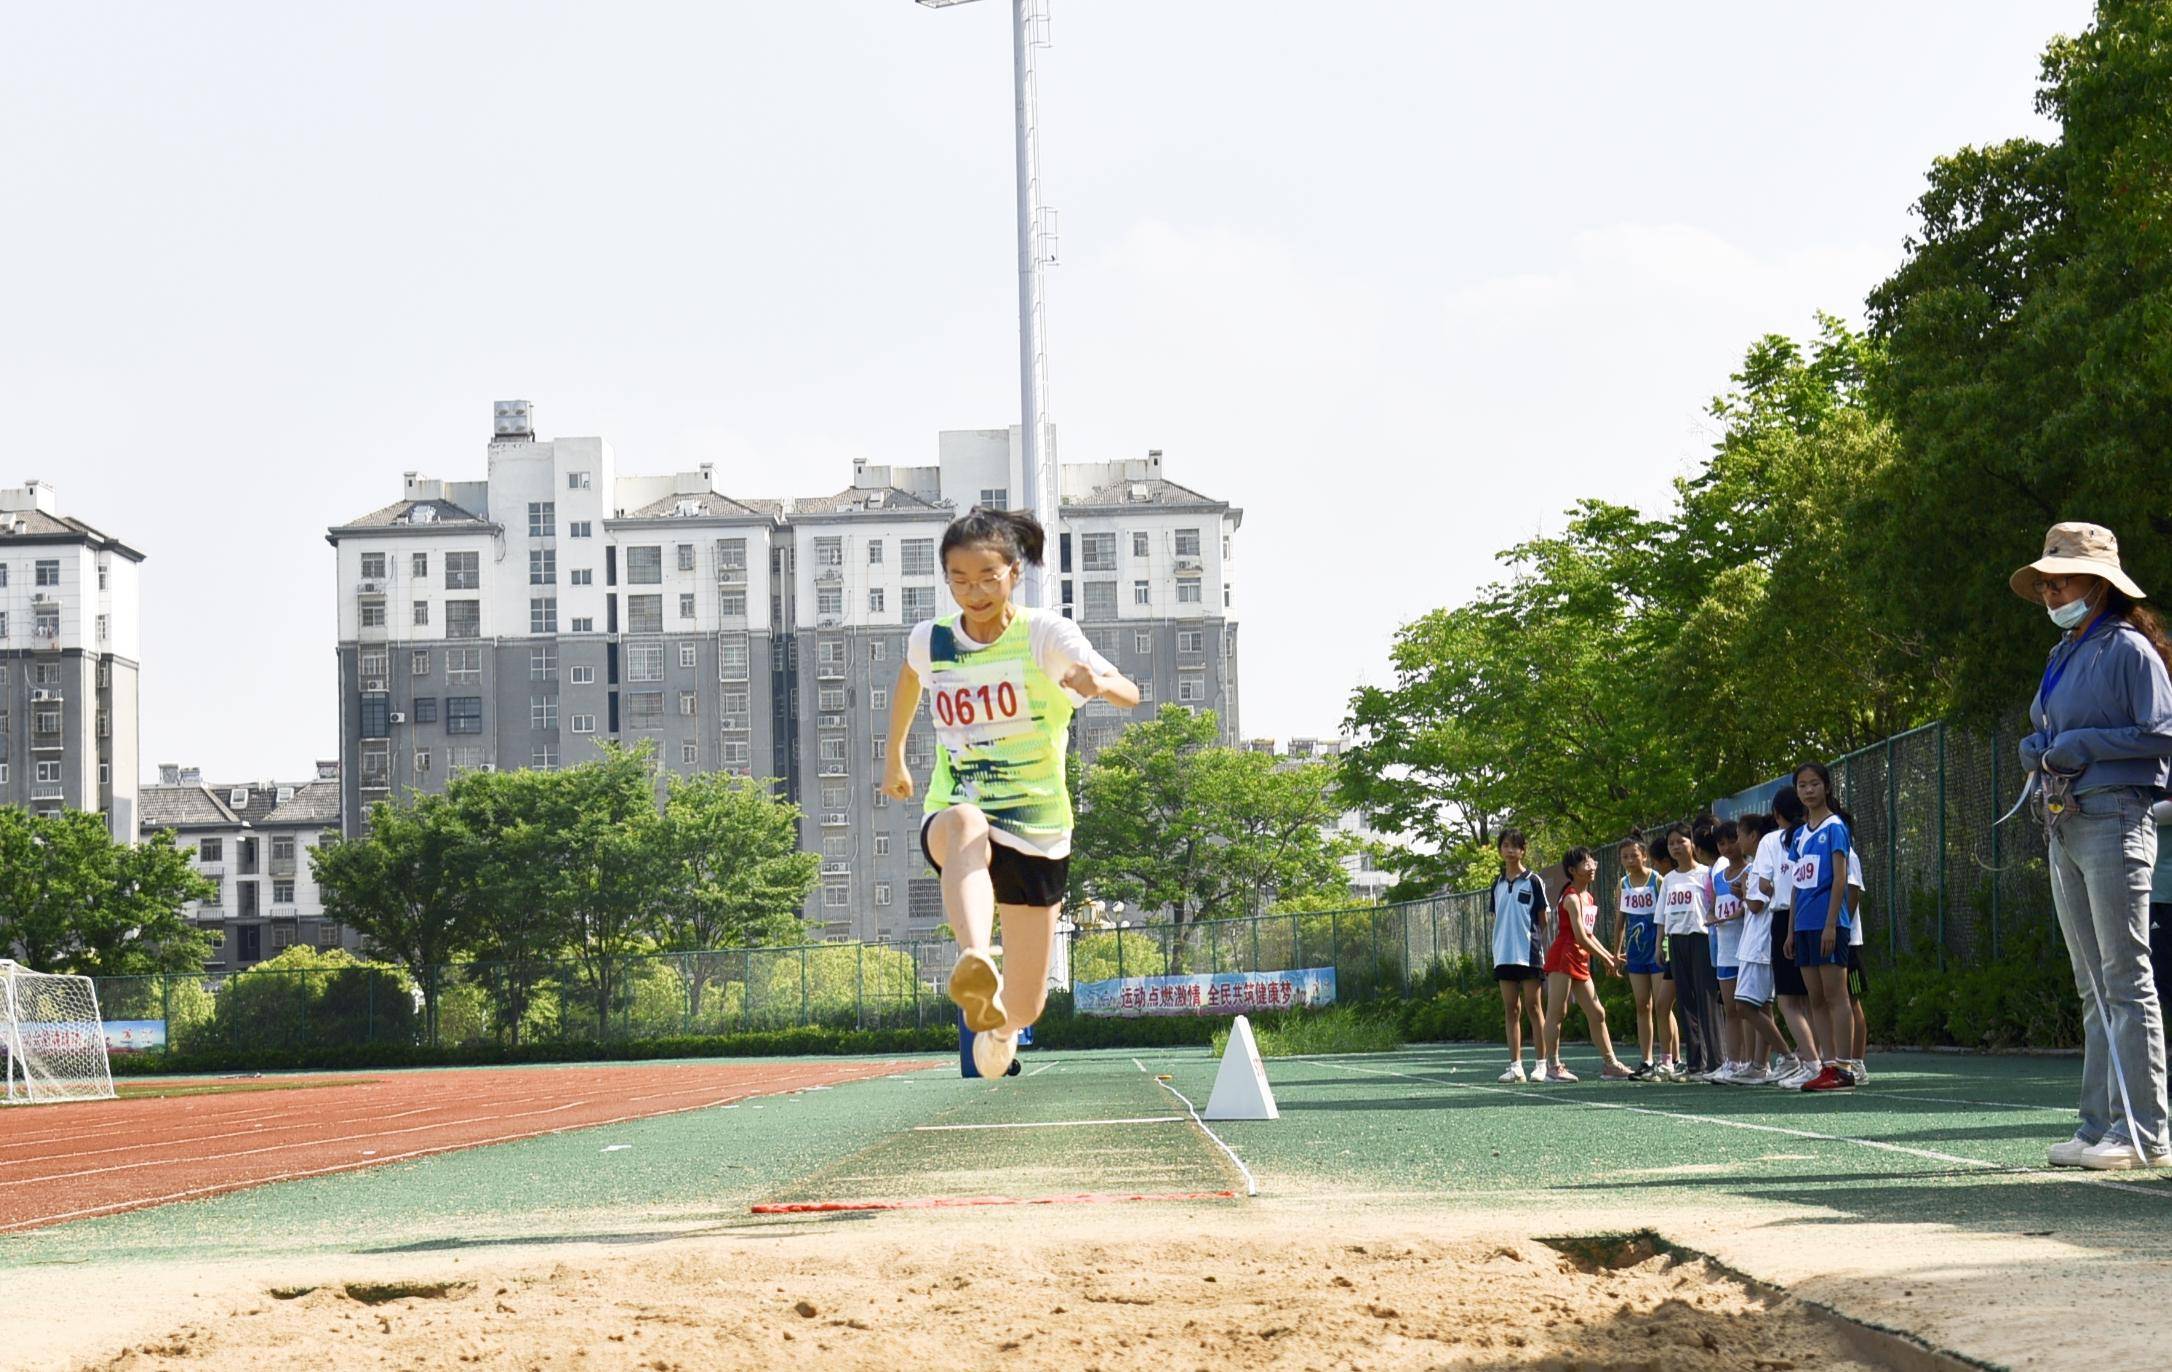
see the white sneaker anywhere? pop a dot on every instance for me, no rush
(1538, 1072)
(2069, 1153)
(1723, 1075)
(1753, 1075)
(993, 1050)
(1803, 1072)
(1858, 1070)
(977, 988)
(2117, 1155)
(1782, 1070)
(1514, 1072)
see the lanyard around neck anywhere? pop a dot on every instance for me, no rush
(2055, 670)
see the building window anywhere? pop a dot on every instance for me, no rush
(733, 752)
(917, 603)
(878, 698)
(874, 552)
(645, 565)
(421, 614)
(833, 748)
(1101, 599)
(882, 893)
(644, 662)
(1191, 689)
(645, 614)
(105, 624)
(376, 715)
(373, 569)
(1187, 543)
(542, 566)
(542, 712)
(542, 518)
(732, 604)
(210, 850)
(542, 664)
(464, 666)
(830, 652)
(829, 601)
(579, 528)
(543, 615)
(731, 659)
(837, 847)
(463, 619)
(45, 623)
(687, 702)
(544, 759)
(577, 481)
(829, 552)
(685, 553)
(282, 892)
(1142, 593)
(874, 600)
(48, 772)
(418, 566)
(1097, 552)
(1139, 546)
(995, 497)
(1188, 640)
(584, 624)
(583, 676)
(376, 766)
(882, 845)
(690, 753)
(373, 614)
(834, 795)
(463, 714)
(830, 698)
(875, 648)
(882, 746)
(584, 724)
(836, 895)
(916, 556)
(425, 709)
(1188, 593)
(735, 702)
(686, 605)
(731, 555)
(644, 709)
(372, 667)
(462, 571)
(1142, 643)
(1146, 691)
(581, 576)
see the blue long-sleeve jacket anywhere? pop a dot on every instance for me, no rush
(2110, 716)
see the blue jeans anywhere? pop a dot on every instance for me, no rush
(2102, 853)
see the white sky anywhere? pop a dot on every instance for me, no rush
(1400, 280)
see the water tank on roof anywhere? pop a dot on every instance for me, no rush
(512, 419)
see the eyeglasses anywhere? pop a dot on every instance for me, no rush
(987, 585)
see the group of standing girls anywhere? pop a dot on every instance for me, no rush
(1720, 924)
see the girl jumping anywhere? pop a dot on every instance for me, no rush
(1003, 681)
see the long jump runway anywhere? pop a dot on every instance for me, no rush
(75, 1161)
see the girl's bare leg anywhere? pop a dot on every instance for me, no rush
(1512, 1021)
(1640, 986)
(1029, 942)
(1587, 996)
(958, 838)
(1557, 994)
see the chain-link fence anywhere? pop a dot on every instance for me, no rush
(1942, 882)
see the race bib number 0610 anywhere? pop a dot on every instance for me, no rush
(980, 703)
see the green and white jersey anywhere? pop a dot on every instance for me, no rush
(1002, 717)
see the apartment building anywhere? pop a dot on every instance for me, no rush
(519, 620)
(253, 840)
(1367, 881)
(70, 655)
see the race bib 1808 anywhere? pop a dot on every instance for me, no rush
(978, 703)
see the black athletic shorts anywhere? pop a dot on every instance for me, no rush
(1786, 976)
(1019, 878)
(1518, 971)
(1858, 979)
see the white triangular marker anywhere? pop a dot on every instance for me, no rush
(1240, 1087)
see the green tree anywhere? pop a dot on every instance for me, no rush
(311, 996)
(409, 888)
(515, 878)
(2028, 357)
(76, 901)
(1171, 821)
(731, 875)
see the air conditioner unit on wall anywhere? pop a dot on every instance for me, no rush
(397, 717)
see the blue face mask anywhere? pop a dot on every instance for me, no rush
(2070, 614)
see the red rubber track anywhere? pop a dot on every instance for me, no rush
(73, 1161)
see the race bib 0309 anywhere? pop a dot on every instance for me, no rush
(980, 703)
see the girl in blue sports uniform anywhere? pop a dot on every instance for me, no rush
(1636, 946)
(1819, 942)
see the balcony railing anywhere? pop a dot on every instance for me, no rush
(47, 790)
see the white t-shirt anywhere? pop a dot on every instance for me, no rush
(1855, 879)
(1765, 869)
(1681, 900)
(1057, 644)
(1756, 943)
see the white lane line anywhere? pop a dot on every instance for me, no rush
(1251, 1187)
(1876, 1093)
(1042, 1068)
(2161, 1192)
(1048, 1124)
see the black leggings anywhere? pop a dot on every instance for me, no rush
(1696, 1000)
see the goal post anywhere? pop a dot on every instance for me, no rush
(52, 1041)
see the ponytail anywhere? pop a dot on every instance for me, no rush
(2145, 621)
(1015, 533)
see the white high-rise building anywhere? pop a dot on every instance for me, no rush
(252, 841)
(520, 620)
(70, 656)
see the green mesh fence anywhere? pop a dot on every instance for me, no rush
(1942, 882)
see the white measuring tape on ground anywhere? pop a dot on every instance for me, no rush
(1251, 1187)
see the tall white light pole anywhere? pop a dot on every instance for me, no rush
(1040, 484)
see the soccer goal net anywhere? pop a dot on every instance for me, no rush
(52, 1043)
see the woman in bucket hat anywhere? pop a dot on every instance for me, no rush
(2100, 757)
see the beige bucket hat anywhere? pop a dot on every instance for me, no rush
(2090, 549)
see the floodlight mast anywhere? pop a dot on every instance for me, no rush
(1040, 483)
